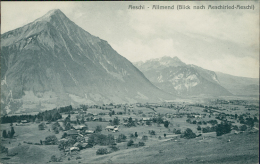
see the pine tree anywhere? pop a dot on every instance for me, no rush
(12, 132)
(4, 134)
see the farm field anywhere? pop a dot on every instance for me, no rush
(173, 132)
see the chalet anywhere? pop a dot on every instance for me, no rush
(74, 149)
(80, 127)
(115, 130)
(89, 131)
(24, 121)
(112, 128)
(72, 133)
(146, 119)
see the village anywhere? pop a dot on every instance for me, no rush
(96, 130)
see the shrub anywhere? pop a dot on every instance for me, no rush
(188, 134)
(198, 128)
(178, 131)
(121, 138)
(141, 144)
(101, 139)
(166, 124)
(159, 137)
(235, 127)
(148, 123)
(145, 138)
(51, 140)
(98, 128)
(152, 132)
(243, 128)
(41, 126)
(55, 159)
(114, 148)
(130, 143)
(101, 151)
(132, 136)
(3, 149)
(64, 135)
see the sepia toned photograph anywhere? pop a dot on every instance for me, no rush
(144, 82)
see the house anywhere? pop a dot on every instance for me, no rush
(110, 128)
(146, 119)
(80, 127)
(89, 131)
(72, 133)
(74, 149)
(115, 130)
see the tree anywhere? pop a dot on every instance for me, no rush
(199, 128)
(130, 143)
(243, 128)
(9, 134)
(164, 135)
(4, 134)
(148, 123)
(121, 138)
(116, 121)
(12, 132)
(136, 135)
(166, 124)
(41, 126)
(152, 132)
(98, 128)
(51, 140)
(141, 144)
(101, 151)
(68, 126)
(188, 134)
(223, 128)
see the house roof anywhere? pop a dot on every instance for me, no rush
(72, 132)
(89, 131)
(74, 148)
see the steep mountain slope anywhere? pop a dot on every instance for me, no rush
(53, 62)
(239, 85)
(172, 75)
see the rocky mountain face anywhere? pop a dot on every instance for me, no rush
(172, 75)
(53, 62)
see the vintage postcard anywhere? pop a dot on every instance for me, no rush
(130, 82)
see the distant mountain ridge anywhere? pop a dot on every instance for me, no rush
(242, 86)
(53, 62)
(172, 75)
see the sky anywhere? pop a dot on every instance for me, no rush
(222, 40)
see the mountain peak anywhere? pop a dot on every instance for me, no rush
(170, 61)
(52, 14)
